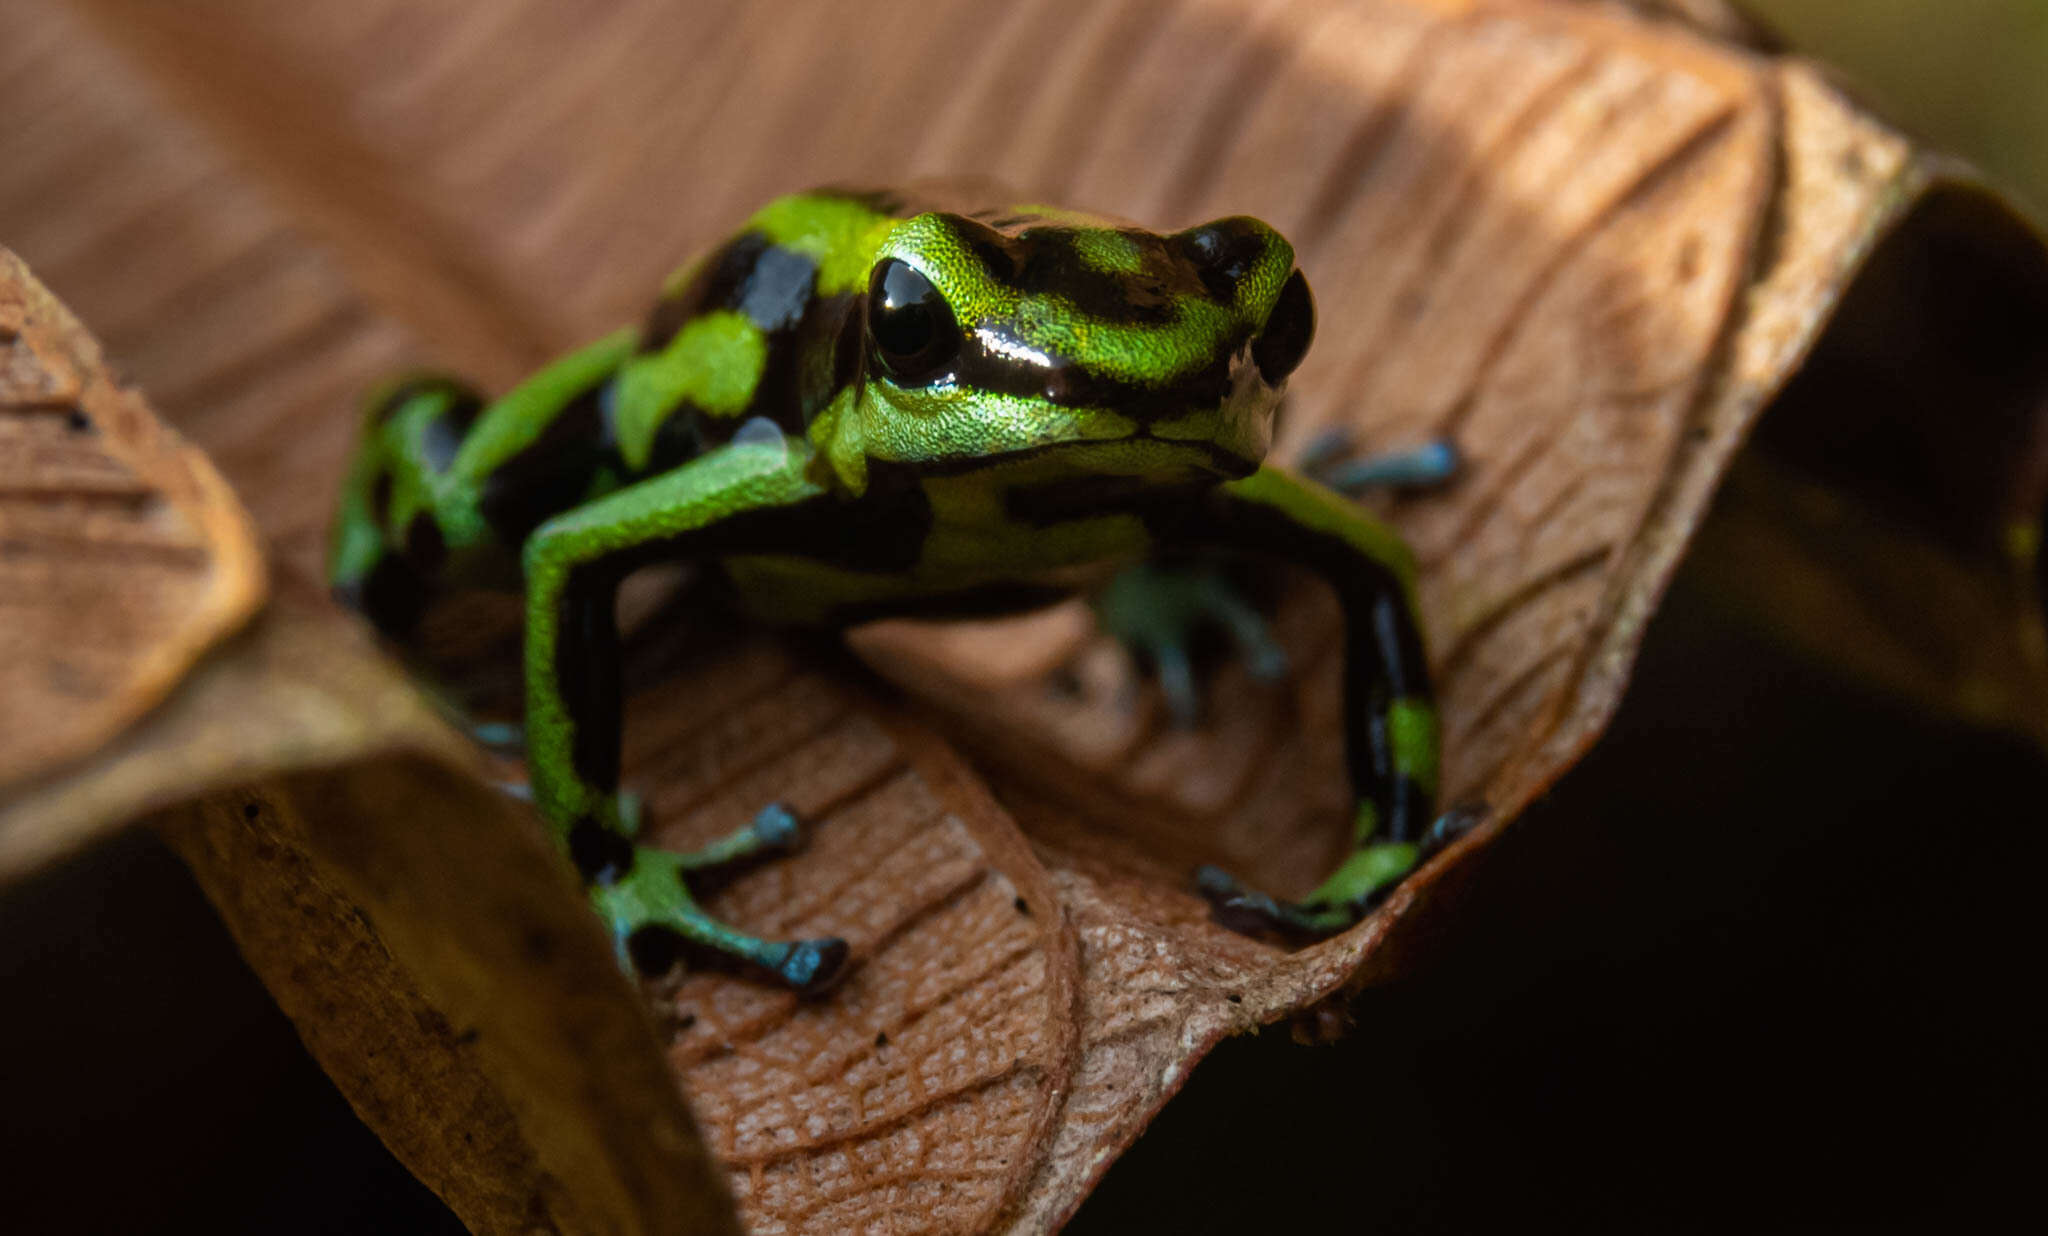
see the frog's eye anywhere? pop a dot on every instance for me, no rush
(1289, 328)
(911, 325)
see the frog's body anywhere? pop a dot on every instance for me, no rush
(866, 404)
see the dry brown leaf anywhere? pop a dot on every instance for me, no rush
(122, 554)
(1587, 244)
(480, 1023)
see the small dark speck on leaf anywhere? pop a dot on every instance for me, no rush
(1234, 998)
(540, 945)
(881, 1040)
(77, 421)
(1689, 260)
(251, 810)
(686, 1021)
(1023, 907)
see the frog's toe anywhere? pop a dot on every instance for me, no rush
(1448, 827)
(774, 829)
(503, 737)
(649, 892)
(812, 966)
(1176, 676)
(1253, 913)
(1332, 459)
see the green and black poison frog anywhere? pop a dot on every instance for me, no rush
(865, 404)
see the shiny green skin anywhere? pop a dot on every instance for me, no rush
(1108, 398)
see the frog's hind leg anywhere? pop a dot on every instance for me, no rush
(389, 548)
(1156, 609)
(638, 888)
(390, 554)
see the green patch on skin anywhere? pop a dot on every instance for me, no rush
(840, 234)
(1361, 875)
(1109, 251)
(1364, 824)
(1411, 727)
(836, 436)
(714, 362)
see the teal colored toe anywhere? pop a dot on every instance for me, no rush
(653, 892)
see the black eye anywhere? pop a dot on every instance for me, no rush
(1289, 328)
(910, 323)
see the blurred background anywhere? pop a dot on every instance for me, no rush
(1766, 964)
(1971, 76)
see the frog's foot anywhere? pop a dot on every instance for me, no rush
(501, 737)
(1332, 459)
(1155, 610)
(648, 889)
(1353, 891)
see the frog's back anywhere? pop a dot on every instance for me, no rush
(764, 327)
(447, 488)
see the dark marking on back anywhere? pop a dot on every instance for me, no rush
(803, 368)
(556, 470)
(442, 436)
(776, 291)
(714, 287)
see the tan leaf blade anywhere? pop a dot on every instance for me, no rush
(122, 553)
(1588, 246)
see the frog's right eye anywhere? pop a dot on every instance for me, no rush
(911, 324)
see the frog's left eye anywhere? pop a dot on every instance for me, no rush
(1289, 328)
(911, 324)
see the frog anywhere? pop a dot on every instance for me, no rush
(925, 401)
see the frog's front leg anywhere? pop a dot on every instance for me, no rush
(741, 499)
(1390, 722)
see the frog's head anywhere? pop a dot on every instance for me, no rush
(1076, 341)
